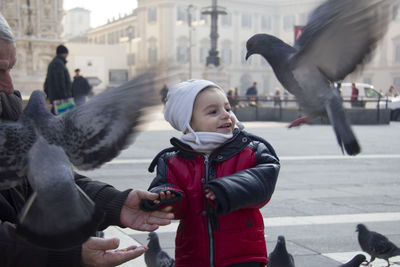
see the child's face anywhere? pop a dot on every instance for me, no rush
(212, 112)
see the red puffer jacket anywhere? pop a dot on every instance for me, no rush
(242, 173)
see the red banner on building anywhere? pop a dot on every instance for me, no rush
(298, 30)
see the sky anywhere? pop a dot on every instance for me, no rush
(101, 10)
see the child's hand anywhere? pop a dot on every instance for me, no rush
(210, 194)
(164, 196)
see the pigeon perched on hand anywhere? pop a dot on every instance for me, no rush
(279, 257)
(155, 256)
(355, 261)
(376, 244)
(44, 148)
(336, 39)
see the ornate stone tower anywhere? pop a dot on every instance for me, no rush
(37, 28)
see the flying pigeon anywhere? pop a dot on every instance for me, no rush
(45, 148)
(155, 256)
(279, 257)
(337, 38)
(376, 244)
(355, 261)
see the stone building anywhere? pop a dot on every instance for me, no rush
(37, 29)
(160, 35)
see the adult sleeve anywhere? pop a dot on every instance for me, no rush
(106, 197)
(15, 251)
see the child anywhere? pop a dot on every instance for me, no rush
(216, 177)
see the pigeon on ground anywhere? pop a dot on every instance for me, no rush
(355, 261)
(376, 244)
(279, 257)
(337, 38)
(44, 148)
(155, 256)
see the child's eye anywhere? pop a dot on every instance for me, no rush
(212, 111)
(228, 109)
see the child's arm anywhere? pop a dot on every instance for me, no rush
(169, 193)
(250, 187)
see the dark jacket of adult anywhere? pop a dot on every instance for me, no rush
(58, 82)
(17, 252)
(80, 87)
(242, 173)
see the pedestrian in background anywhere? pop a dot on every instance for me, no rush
(164, 93)
(58, 82)
(251, 94)
(80, 88)
(216, 177)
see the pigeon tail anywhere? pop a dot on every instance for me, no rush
(58, 214)
(344, 134)
(54, 229)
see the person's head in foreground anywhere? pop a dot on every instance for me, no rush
(8, 56)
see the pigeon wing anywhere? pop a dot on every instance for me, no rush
(341, 33)
(16, 138)
(97, 131)
(164, 260)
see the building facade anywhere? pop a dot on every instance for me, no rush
(37, 28)
(76, 23)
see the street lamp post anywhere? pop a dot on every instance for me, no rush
(214, 11)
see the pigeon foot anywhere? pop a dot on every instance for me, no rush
(298, 122)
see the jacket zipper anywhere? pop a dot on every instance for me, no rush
(209, 228)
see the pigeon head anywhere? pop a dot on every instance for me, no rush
(263, 44)
(359, 258)
(281, 241)
(361, 228)
(153, 240)
(36, 104)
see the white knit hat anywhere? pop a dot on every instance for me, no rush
(180, 100)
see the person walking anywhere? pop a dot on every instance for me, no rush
(80, 88)
(251, 94)
(57, 85)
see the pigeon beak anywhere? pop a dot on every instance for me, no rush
(248, 54)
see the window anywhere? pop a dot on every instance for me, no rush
(203, 53)
(152, 15)
(205, 18)
(288, 22)
(152, 55)
(246, 20)
(395, 13)
(265, 22)
(370, 93)
(226, 56)
(397, 54)
(226, 20)
(181, 14)
(181, 53)
(131, 59)
(396, 80)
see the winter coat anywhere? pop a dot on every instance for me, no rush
(242, 173)
(58, 82)
(80, 87)
(17, 252)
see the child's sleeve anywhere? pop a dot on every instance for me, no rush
(250, 187)
(163, 183)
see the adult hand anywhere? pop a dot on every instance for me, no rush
(133, 217)
(102, 252)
